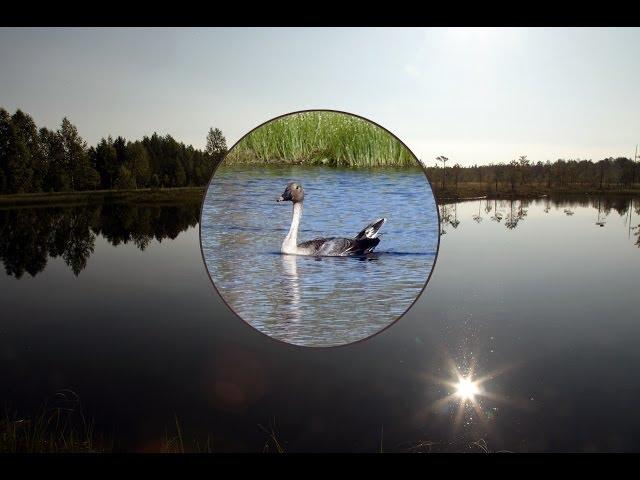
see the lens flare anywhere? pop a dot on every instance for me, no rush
(466, 389)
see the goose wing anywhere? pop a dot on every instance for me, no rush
(339, 247)
(371, 230)
(331, 246)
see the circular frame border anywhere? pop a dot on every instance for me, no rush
(294, 345)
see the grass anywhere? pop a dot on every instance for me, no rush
(321, 138)
(272, 444)
(62, 428)
(175, 443)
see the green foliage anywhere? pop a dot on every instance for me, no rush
(27, 136)
(18, 163)
(15, 155)
(57, 177)
(216, 144)
(322, 138)
(173, 164)
(125, 180)
(58, 161)
(75, 159)
(523, 175)
(104, 159)
(138, 161)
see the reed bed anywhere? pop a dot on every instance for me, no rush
(322, 138)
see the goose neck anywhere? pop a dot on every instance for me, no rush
(290, 243)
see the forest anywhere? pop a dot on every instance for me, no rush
(519, 174)
(36, 159)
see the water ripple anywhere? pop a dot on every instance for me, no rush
(318, 301)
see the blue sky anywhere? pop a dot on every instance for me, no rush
(474, 95)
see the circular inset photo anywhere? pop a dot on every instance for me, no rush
(319, 228)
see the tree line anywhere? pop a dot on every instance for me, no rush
(36, 159)
(605, 173)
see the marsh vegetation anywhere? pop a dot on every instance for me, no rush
(321, 138)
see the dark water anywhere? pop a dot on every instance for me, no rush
(547, 308)
(316, 301)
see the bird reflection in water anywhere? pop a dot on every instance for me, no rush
(291, 285)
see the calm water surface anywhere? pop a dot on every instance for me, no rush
(310, 300)
(115, 303)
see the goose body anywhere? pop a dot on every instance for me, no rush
(364, 242)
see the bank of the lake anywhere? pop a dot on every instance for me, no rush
(474, 190)
(141, 195)
(463, 191)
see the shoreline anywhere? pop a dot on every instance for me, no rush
(141, 195)
(464, 192)
(471, 191)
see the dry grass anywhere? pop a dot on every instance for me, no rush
(58, 428)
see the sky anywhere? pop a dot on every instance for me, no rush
(475, 95)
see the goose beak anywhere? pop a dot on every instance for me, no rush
(280, 199)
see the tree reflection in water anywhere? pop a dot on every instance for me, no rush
(516, 214)
(517, 210)
(30, 236)
(497, 215)
(448, 216)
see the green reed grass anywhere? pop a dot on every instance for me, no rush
(322, 138)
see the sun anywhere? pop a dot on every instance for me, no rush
(466, 389)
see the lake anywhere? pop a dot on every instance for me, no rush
(115, 303)
(318, 301)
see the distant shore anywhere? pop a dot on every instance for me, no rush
(464, 191)
(474, 190)
(141, 195)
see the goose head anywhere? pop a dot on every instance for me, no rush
(292, 193)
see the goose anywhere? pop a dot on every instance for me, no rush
(363, 243)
